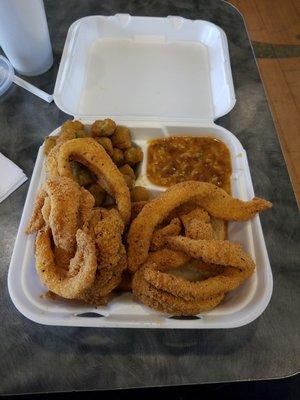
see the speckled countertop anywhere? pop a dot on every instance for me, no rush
(36, 358)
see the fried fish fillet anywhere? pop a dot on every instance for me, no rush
(106, 226)
(92, 155)
(63, 205)
(238, 267)
(208, 196)
(160, 235)
(56, 278)
(168, 302)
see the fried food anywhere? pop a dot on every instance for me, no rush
(64, 207)
(133, 155)
(238, 267)
(168, 258)
(62, 211)
(36, 221)
(49, 143)
(86, 204)
(64, 195)
(84, 264)
(181, 210)
(51, 162)
(69, 130)
(106, 144)
(226, 263)
(197, 213)
(160, 236)
(102, 132)
(128, 174)
(129, 181)
(127, 170)
(96, 159)
(136, 208)
(177, 260)
(106, 226)
(167, 302)
(62, 257)
(219, 227)
(98, 193)
(208, 196)
(197, 229)
(69, 285)
(118, 157)
(103, 285)
(46, 209)
(139, 193)
(82, 175)
(103, 128)
(82, 134)
(197, 224)
(121, 138)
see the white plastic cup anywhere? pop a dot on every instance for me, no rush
(24, 36)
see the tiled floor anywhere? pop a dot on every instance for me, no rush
(274, 28)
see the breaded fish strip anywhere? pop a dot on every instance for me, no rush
(168, 258)
(64, 195)
(208, 196)
(51, 164)
(167, 302)
(36, 221)
(101, 288)
(160, 235)
(92, 155)
(57, 279)
(197, 224)
(106, 226)
(238, 267)
(57, 205)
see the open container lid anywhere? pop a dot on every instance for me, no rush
(127, 67)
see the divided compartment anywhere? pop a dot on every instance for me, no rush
(160, 77)
(28, 292)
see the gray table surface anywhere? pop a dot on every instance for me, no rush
(36, 358)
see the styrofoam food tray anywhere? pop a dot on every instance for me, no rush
(149, 112)
(240, 307)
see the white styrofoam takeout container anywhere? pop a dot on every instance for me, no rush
(160, 77)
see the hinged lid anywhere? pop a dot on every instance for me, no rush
(145, 68)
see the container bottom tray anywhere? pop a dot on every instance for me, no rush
(239, 307)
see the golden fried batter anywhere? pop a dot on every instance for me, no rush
(136, 208)
(61, 211)
(121, 138)
(139, 193)
(55, 277)
(97, 160)
(51, 165)
(36, 221)
(239, 266)
(166, 302)
(160, 236)
(103, 128)
(208, 196)
(69, 130)
(197, 224)
(106, 226)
